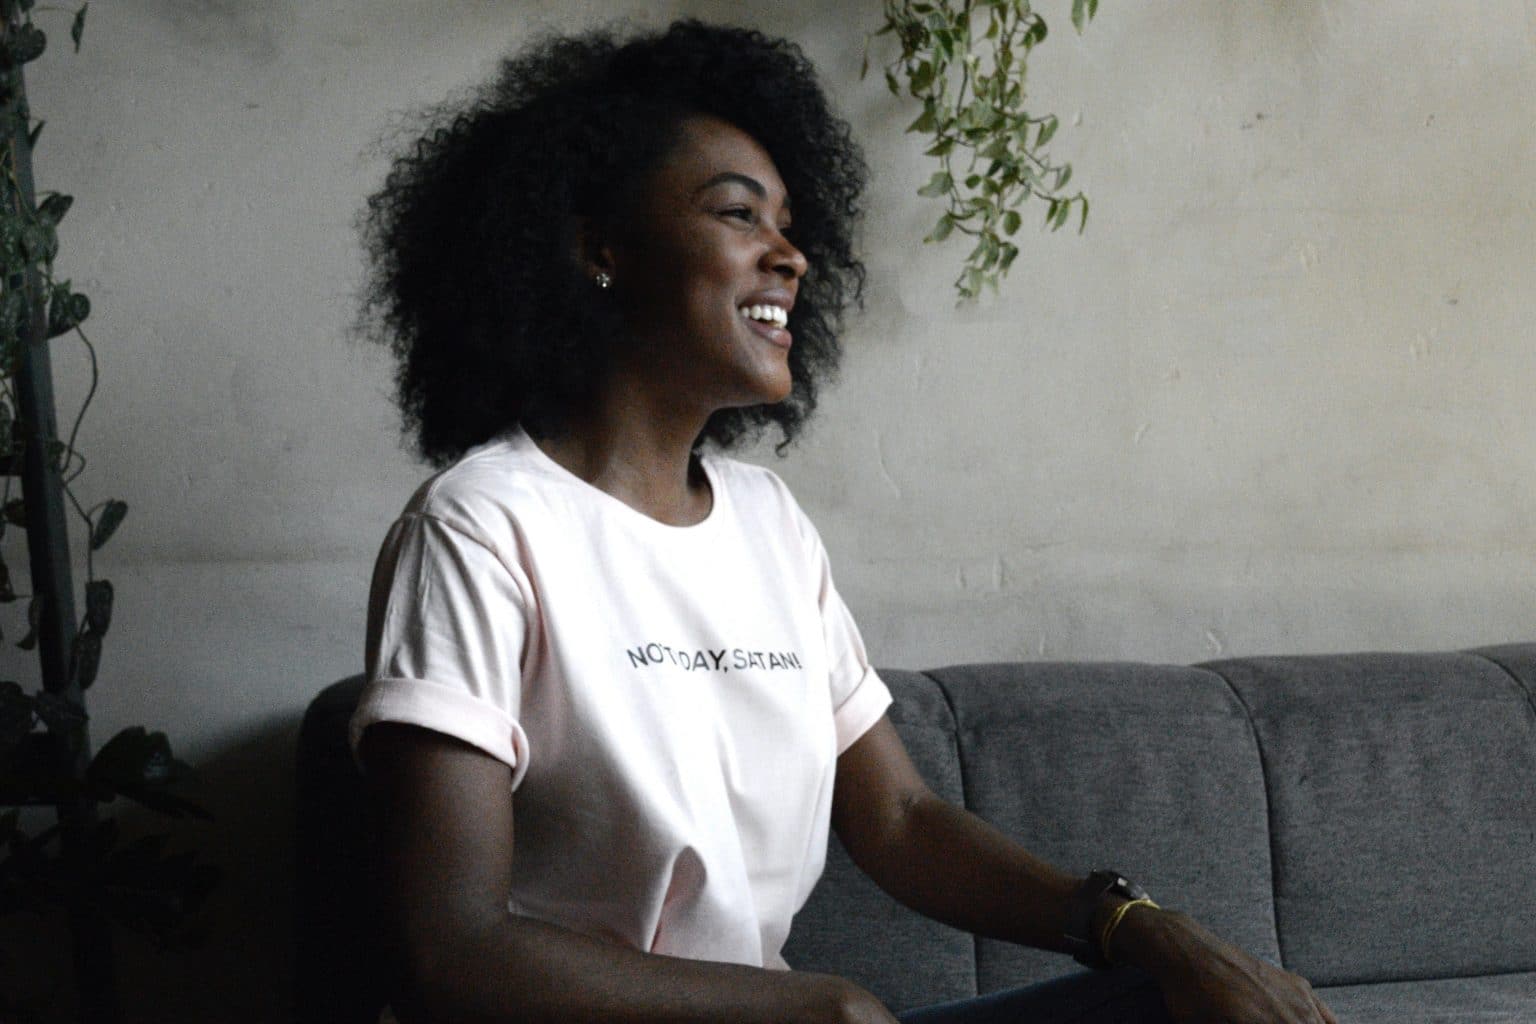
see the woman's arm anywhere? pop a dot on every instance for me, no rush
(948, 864)
(443, 827)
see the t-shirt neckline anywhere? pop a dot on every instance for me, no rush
(521, 438)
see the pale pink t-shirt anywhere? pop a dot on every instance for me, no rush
(671, 700)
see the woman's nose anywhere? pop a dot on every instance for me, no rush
(783, 258)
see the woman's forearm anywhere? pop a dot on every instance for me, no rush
(523, 970)
(948, 864)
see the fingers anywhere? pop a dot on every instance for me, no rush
(1319, 1009)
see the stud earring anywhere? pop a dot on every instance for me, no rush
(602, 280)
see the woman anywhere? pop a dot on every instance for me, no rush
(615, 701)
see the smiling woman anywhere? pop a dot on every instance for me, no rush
(597, 641)
(705, 278)
(480, 283)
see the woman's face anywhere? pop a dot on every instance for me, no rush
(705, 275)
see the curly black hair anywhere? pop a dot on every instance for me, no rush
(475, 284)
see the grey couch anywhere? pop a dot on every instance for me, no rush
(1368, 820)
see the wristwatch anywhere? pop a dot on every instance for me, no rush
(1078, 933)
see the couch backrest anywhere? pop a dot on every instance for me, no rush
(1150, 769)
(1357, 817)
(1402, 790)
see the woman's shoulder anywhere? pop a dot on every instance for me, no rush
(491, 485)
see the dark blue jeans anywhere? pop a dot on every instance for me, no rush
(1123, 996)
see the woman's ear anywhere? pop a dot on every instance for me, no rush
(593, 253)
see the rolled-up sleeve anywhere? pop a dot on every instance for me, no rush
(447, 626)
(859, 695)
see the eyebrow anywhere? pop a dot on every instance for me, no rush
(751, 184)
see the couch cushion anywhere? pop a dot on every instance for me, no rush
(849, 927)
(1151, 769)
(1403, 811)
(1492, 999)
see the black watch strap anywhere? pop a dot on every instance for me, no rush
(1078, 933)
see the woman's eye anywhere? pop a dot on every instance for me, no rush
(744, 213)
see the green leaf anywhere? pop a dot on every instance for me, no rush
(62, 716)
(1011, 221)
(1061, 215)
(98, 606)
(922, 78)
(139, 765)
(940, 148)
(1047, 129)
(39, 242)
(135, 757)
(107, 522)
(1063, 176)
(1083, 217)
(1036, 33)
(989, 251)
(1079, 14)
(938, 185)
(85, 659)
(10, 235)
(34, 614)
(925, 121)
(77, 27)
(15, 715)
(26, 44)
(66, 310)
(941, 230)
(32, 135)
(999, 150)
(79, 307)
(52, 210)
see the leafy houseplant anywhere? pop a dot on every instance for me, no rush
(81, 865)
(965, 62)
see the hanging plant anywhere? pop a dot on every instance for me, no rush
(81, 865)
(965, 62)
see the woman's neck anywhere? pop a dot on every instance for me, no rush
(640, 456)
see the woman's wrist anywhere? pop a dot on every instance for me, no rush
(1146, 935)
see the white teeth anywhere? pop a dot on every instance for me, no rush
(775, 315)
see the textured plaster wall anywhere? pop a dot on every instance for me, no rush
(1276, 399)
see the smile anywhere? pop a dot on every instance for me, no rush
(775, 315)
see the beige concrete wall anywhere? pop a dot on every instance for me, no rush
(1276, 399)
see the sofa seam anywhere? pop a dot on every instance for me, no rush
(1525, 691)
(965, 795)
(1269, 804)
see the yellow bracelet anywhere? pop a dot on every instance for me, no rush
(1114, 922)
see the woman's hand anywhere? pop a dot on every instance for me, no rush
(1206, 979)
(840, 1001)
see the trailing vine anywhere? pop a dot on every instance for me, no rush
(80, 864)
(965, 61)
